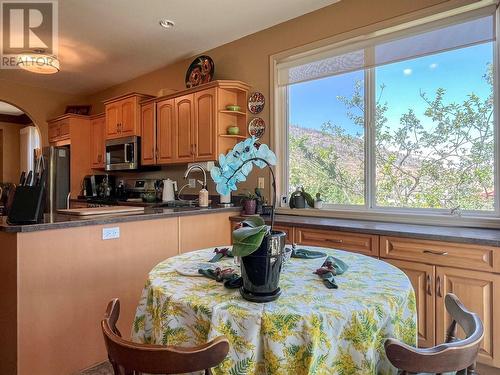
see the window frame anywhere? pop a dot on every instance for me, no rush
(280, 117)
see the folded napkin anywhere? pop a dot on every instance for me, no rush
(330, 268)
(227, 275)
(306, 254)
(221, 253)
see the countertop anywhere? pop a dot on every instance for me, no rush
(490, 237)
(58, 221)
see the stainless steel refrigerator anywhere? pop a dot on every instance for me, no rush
(57, 162)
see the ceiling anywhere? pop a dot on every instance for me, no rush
(8, 109)
(103, 43)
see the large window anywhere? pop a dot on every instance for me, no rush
(407, 121)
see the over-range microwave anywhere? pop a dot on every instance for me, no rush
(122, 154)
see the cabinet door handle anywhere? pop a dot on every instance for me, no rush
(429, 285)
(435, 252)
(438, 287)
(333, 240)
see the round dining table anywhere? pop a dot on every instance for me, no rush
(310, 329)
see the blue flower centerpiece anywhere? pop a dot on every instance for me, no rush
(260, 247)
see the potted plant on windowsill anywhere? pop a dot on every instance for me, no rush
(249, 202)
(260, 247)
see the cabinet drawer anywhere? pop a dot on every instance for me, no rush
(288, 231)
(359, 243)
(467, 256)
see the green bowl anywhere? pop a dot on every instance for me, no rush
(233, 108)
(233, 130)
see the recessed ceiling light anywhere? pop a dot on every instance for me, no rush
(167, 24)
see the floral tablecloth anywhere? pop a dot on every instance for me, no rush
(309, 330)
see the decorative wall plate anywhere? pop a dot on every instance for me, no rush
(200, 71)
(256, 102)
(257, 127)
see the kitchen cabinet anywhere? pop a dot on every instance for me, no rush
(97, 144)
(58, 129)
(422, 277)
(204, 132)
(123, 115)
(184, 125)
(148, 137)
(75, 131)
(479, 292)
(191, 125)
(166, 132)
(356, 242)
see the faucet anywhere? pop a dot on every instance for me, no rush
(196, 166)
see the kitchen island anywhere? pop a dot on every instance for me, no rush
(57, 277)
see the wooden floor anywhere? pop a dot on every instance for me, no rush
(100, 369)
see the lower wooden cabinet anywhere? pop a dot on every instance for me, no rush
(422, 278)
(289, 231)
(480, 293)
(356, 242)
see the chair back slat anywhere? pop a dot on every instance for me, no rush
(455, 355)
(130, 358)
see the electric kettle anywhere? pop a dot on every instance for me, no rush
(169, 189)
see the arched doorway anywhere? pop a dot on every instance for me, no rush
(19, 140)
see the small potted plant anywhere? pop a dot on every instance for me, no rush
(260, 247)
(249, 203)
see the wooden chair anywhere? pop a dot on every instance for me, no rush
(128, 358)
(456, 355)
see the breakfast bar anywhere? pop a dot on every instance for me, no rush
(55, 275)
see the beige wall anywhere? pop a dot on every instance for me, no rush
(247, 59)
(40, 104)
(11, 151)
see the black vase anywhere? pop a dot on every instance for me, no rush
(261, 270)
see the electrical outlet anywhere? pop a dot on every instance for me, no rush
(260, 183)
(110, 233)
(192, 182)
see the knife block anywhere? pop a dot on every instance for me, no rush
(27, 205)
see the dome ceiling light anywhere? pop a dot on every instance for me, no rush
(38, 61)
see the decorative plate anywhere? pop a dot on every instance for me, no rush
(257, 127)
(200, 71)
(256, 102)
(191, 269)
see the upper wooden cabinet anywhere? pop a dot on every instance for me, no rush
(75, 131)
(59, 128)
(184, 126)
(192, 125)
(97, 144)
(204, 129)
(123, 115)
(148, 148)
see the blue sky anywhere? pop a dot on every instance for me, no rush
(459, 72)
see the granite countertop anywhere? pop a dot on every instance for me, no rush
(490, 237)
(59, 221)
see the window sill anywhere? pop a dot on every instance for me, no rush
(397, 217)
